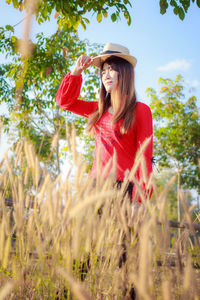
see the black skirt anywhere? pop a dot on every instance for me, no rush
(128, 190)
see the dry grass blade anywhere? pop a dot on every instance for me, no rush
(18, 152)
(1, 125)
(187, 213)
(73, 141)
(87, 202)
(145, 263)
(25, 46)
(77, 289)
(162, 199)
(6, 290)
(188, 278)
(166, 290)
(55, 141)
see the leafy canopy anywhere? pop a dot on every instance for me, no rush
(28, 88)
(176, 130)
(71, 13)
(180, 7)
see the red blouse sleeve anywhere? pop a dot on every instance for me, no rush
(144, 130)
(68, 93)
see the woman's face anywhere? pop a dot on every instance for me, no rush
(109, 78)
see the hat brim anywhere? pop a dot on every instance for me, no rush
(98, 60)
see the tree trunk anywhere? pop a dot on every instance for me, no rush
(57, 158)
(178, 201)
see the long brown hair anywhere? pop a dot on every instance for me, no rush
(125, 98)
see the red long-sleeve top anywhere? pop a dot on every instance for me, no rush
(108, 136)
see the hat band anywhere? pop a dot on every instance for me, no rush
(109, 52)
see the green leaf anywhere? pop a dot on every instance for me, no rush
(176, 10)
(9, 28)
(15, 3)
(198, 3)
(76, 24)
(113, 17)
(163, 6)
(128, 17)
(86, 20)
(181, 13)
(99, 17)
(173, 3)
(105, 14)
(13, 39)
(83, 25)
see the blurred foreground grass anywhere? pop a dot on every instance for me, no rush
(65, 241)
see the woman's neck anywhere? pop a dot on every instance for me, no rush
(110, 110)
(115, 101)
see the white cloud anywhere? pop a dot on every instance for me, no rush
(192, 83)
(179, 64)
(195, 83)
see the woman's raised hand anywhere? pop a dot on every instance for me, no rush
(83, 62)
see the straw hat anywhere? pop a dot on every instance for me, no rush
(114, 50)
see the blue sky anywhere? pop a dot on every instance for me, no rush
(164, 45)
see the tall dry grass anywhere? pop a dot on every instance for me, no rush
(64, 240)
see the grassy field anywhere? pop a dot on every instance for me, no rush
(80, 241)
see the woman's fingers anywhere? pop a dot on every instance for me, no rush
(82, 63)
(85, 61)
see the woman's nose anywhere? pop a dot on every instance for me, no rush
(107, 74)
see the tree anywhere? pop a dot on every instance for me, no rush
(180, 7)
(176, 130)
(71, 13)
(28, 84)
(162, 179)
(28, 87)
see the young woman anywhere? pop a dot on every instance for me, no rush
(120, 123)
